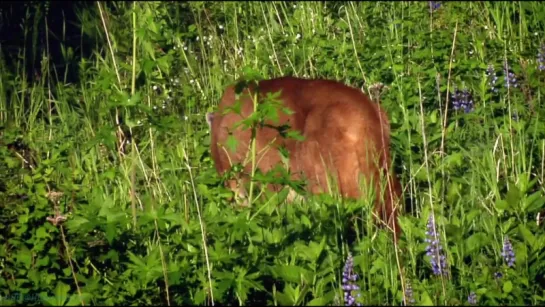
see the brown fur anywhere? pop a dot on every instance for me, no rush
(343, 130)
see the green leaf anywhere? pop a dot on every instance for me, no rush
(305, 221)
(192, 248)
(502, 204)
(534, 202)
(231, 143)
(294, 134)
(200, 296)
(290, 273)
(473, 214)
(454, 160)
(521, 253)
(111, 230)
(61, 293)
(49, 300)
(323, 300)
(285, 299)
(315, 250)
(425, 300)
(507, 286)
(76, 299)
(202, 189)
(475, 242)
(513, 196)
(527, 235)
(24, 256)
(148, 66)
(42, 233)
(164, 63)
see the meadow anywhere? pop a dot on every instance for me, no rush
(109, 196)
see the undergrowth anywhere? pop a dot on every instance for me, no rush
(109, 195)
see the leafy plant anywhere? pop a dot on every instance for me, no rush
(108, 194)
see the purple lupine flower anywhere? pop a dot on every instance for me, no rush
(472, 298)
(541, 58)
(498, 275)
(492, 78)
(510, 78)
(409, 294)
(434, 5)
(462, 100)
(508, 254)
(349, 283)
(434, 249)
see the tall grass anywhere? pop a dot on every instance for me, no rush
(109, 194)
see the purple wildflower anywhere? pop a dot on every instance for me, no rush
(492, 78)
(541, 58)
(434, 249)
(349, 283)
(498, 275)
(462, 100)
(409, 295)
(472, 298)
(508, 254)
(434, 5)
(510, 78)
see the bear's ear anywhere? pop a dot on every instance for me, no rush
(209, 119)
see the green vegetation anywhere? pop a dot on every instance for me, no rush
(108, 194)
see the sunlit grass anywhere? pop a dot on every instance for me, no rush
(147, 219)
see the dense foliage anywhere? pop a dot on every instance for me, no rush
(108, 194)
